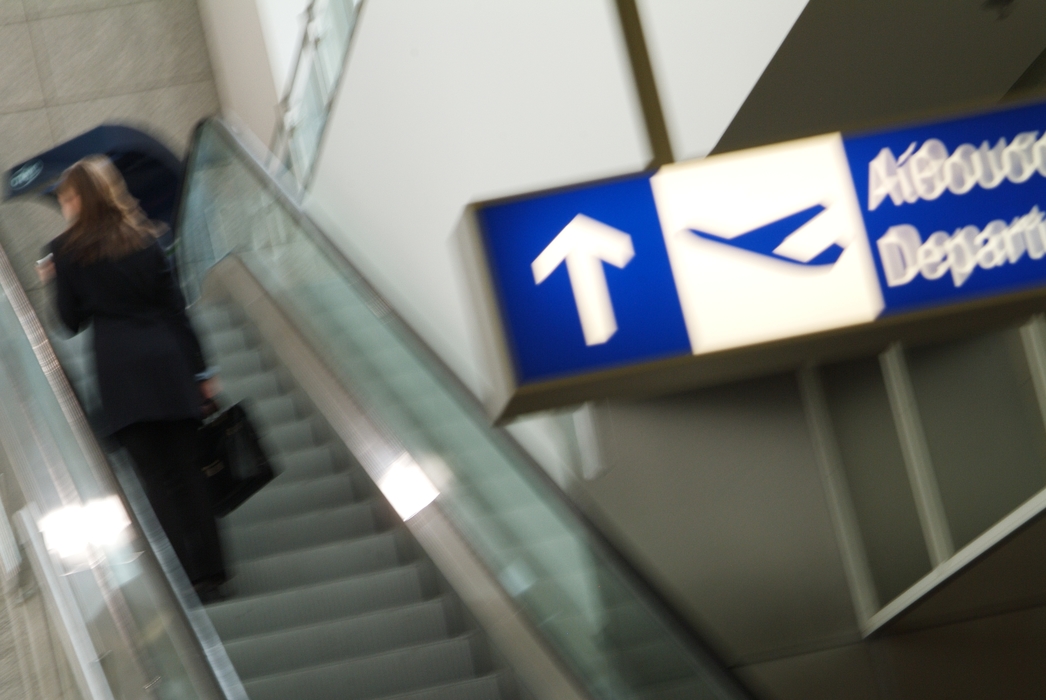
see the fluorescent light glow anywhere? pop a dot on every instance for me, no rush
(71, 530)
(407, 487)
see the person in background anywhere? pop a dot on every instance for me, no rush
(111, 272)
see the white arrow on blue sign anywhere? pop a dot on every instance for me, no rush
(770, 244)
(585, 244)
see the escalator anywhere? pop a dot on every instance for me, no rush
(406, 549)
(330, 593)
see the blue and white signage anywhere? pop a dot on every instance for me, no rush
(768, 244)
(955, 210)
(584, 279)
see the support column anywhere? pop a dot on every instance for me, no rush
(646, 86)
(916, 455)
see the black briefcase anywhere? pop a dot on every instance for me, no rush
(232, 459)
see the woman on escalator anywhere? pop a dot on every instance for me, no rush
(111, 272)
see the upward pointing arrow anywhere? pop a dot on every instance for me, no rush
(586, 244)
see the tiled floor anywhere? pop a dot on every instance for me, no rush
(32, 664)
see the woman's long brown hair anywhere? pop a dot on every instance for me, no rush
(111, 225)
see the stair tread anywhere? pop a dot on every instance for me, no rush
(317, 563)
(374, 676)
(255, 614)
(480, 688)
(274, 410)
(288, 454)
(325, 548)
(320, 527)
(287, 496)
(352, 506)
(340, 639)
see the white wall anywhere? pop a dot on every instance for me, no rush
(282, 23)
(240, 61)
(707, 56)
(446, 103)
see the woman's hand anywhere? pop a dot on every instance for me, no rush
(45, 269)
(210, 388)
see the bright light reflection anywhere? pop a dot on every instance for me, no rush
(70, 530)
(407, 487)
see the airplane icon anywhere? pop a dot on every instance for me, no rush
(766, 239)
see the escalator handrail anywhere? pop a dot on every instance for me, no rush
(667, 612)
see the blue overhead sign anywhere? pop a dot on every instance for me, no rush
(603, 295)
(768, 244)
(955, 209)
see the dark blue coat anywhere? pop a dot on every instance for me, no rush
(146, 352)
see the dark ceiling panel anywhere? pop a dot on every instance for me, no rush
(1032, 83)
(853, 65)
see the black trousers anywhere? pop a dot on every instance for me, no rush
(165, 455)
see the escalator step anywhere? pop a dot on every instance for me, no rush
(284, 534)
(255, 387)
(292, 436)
(214, 317)
(483, 688)
(307, 463)
(226, 341)
(250, 615)
(373, 676)
(284, 498)
(316, 564)
(334, 640)
(245, 363)
(275, 410)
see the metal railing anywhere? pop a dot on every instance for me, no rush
(315, 76)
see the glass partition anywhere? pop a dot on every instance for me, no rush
(317, 71)
(564, 579)
(115, 611)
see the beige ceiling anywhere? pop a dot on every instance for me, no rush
(857, 64)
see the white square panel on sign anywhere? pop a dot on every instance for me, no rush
(767, 244)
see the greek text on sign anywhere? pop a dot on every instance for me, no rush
(927, 172)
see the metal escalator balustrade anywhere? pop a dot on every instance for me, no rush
(603, 625)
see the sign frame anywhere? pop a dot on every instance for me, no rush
(508, 398)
